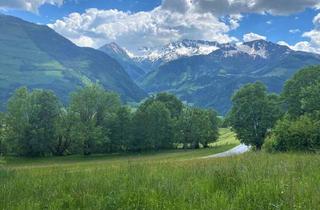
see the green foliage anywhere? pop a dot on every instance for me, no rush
(31, 118)
(271, 145)
(300, 128)
(171, 102)
(153, 126)
(196, 126)
(121, 130)
(310, 99)
(92, 107)
(302, 133)
(254, 112)
(65, 132)
(301, 93)
(17, 120)
(94, 122)
(3, 133)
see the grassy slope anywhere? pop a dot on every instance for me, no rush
(36, 56)
(164, 181)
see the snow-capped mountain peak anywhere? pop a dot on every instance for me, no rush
(175, 50)
(256, 49)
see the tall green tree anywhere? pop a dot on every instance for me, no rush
(254, 112)
(18, 121)
(195, 127)
(92, 106)
(159, 126)
(121, 130)
(301, 93)
(44, 110)
(310, 100)
(31, 118)
(152, 127)
(64, 133)
(300, 128)
(213, 132)
(171, 102)
(139, 124)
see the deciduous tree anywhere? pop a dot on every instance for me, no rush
(254, 112)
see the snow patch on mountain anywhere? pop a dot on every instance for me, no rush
(175, 50)
(255, 49)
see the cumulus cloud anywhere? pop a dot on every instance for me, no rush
(28, 5)
(301, 46)
(173, 20)
(143, 29)
(313, 45)
(253, 37)
(181, 6)
(274, 7)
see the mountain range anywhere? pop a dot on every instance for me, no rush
(207, 74)
(37, 57)
(211, 80)
(201, 73)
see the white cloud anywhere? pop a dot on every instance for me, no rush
(283, 43)
(269, 22)
(83, 41)
(294, 31)
(234, 20)
(253, 37)
(301, 46)
(174, 20)
(28, 5)
(313, 45)
(274, 7)
(143, 29)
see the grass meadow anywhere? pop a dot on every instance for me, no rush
(166, 180)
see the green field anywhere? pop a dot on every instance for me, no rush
(164, 180)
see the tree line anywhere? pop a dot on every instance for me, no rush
(36, 123)
(289, 121)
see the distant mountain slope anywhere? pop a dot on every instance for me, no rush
(36, 56)
(120, 55)
(210, 80)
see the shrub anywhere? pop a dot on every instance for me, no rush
(270, 144)
(301, 134)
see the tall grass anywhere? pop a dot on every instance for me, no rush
(250, 181)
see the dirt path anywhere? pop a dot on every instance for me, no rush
(232, 152)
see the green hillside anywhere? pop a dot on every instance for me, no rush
(211, 80)
(36, 56)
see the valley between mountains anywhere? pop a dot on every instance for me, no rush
(201, 73)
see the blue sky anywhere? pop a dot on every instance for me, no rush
(135, 23)
(49, 13)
